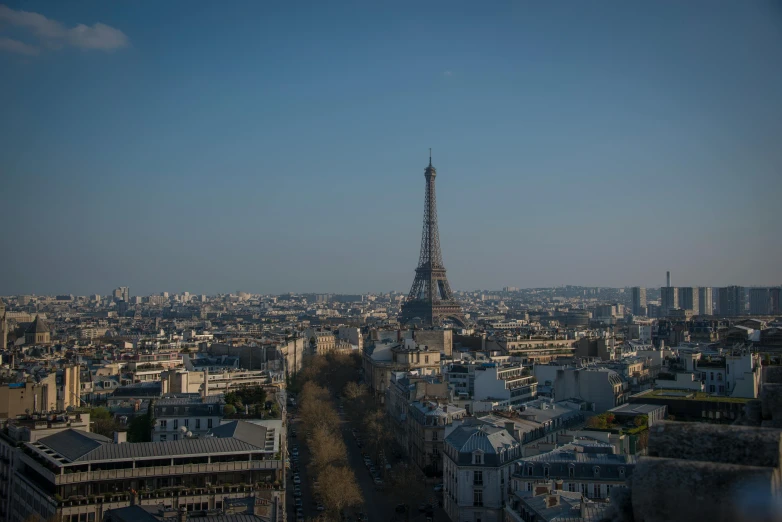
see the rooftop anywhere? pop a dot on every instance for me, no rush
(688, 396)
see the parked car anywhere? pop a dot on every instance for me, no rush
(296, 479)
(321, 507)
(438, 487)
(297, 491)
(299, 503)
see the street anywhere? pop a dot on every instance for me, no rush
(307, 493)
(380, 505)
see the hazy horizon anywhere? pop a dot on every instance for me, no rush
(281, 148)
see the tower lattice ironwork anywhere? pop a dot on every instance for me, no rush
(430, 301)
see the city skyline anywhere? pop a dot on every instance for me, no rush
(279, 150)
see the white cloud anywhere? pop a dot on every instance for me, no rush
(15, 46)
(54, 35)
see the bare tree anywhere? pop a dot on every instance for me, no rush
(409, 483)
(328, 449)
(378, 432)
(339, 490)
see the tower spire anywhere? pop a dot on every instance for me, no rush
(430, 156)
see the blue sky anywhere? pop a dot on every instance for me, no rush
(279, 146)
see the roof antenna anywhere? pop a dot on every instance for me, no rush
(430, 156)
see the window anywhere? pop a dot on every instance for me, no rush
(545, 471)
(584, 489)
(711, 376)
(621, 472)
(596, 470)
(477, 498)
(571, 471)
(176, 436)
(722, 389)
(530, 471)
(434, 435)
(210, 409)
(162, 438)
(163, 424)
(477, 478)
(209, 423)
(529, 486)
(477, 458)
(176, 424)
(198, 424)
(571, 486)
(426, 359)
(187, 423)
(711, 388)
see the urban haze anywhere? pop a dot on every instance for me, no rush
(386, 262)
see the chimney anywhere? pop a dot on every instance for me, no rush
(552, 500)
(668, 278)
(558, 485)
(120, 437)
(182, 514)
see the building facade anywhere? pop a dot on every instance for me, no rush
(179, 417)
(760, 301)
(639, 300)
(477, 467)
(731, 301)
(587, 467)
(75, 475)
(512, 385)
(689, 299)
(427, 425)
(705, 301)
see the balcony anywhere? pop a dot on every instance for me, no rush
(161, 471)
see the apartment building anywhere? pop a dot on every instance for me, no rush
(382, 358)
(74, 475)
(29, 428)
(584, 466)
(427, 426)
(477, 466)
(602, 387)
(180, 416)
(405, 388)
(511, 385)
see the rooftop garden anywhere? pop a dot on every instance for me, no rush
(687, 395)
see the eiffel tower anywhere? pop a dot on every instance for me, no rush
(430, 301)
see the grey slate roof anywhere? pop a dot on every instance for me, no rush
(130, 514)
(567, 510)
(488, 439)
(149, 514)
(583, 457)
(243, 431)
(38, 326)
(74, 444)
(140, 389)
(79, 446)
